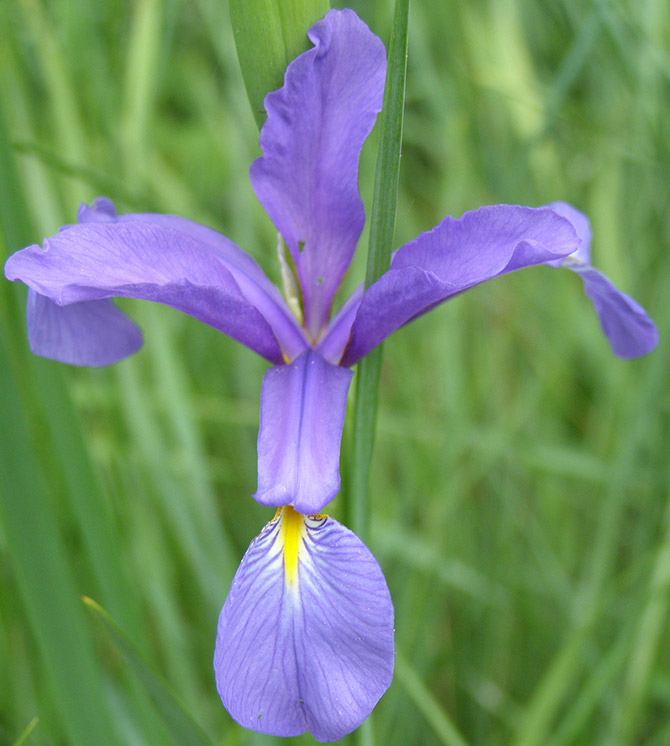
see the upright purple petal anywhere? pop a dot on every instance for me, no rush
(454, 256)
(139, 259)
(630, 331)
(305, 638)
(89, 333)
(307, 177)
(302, 414)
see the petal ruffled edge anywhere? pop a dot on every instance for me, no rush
(307, 177)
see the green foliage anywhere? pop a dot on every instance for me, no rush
(268, 35)
(519, 490)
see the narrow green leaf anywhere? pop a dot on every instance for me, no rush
(44, 578)
(185, 731)
(427, 705)
(647, 642)
(34, 546)
(382, 228)
(27, 731)
(268, 35)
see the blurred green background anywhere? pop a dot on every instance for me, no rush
(521, 483)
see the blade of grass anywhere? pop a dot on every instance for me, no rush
(268, 35)
(382, 229)
(44, 578)
(427, 705)
(27, 731)
(647, 640)
(63, 103)
(184, 730)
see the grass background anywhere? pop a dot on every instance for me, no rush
(520, 494)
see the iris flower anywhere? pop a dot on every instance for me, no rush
(305, 638)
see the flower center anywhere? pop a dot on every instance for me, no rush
(291, 536)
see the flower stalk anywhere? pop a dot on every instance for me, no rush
(382, 228)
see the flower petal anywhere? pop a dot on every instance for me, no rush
(307, 177)
(89, 333)
(454, 256)
(305, 638)
(624, 322)
(582, 228)
(334, 341)
(140, 259)
(302, 414)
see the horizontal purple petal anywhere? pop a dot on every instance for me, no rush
(302, 414)
(250, 278)
(624, 322)
(305, 638)
(139, 259)
(307, 177)
(89, 333)
(456, 255)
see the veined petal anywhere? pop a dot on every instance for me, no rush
(302, 414)
(138, 259)
(630, 331)
(455, 256)
(307, 177)
(89, 333)
(253, 283)
(305, 638)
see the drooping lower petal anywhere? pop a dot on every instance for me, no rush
(307, 177)
(454, 256)
(305, 638)
(89, 333)
(138, 259)
(302, 414)
(624, 322)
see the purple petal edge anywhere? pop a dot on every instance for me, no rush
(627, 326)
(98, 260)
(454, 256)
(91, 333)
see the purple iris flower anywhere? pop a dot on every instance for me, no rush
(305, 638)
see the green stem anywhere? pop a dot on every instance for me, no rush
(382, 227)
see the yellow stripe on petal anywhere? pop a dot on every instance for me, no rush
(291, 536)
